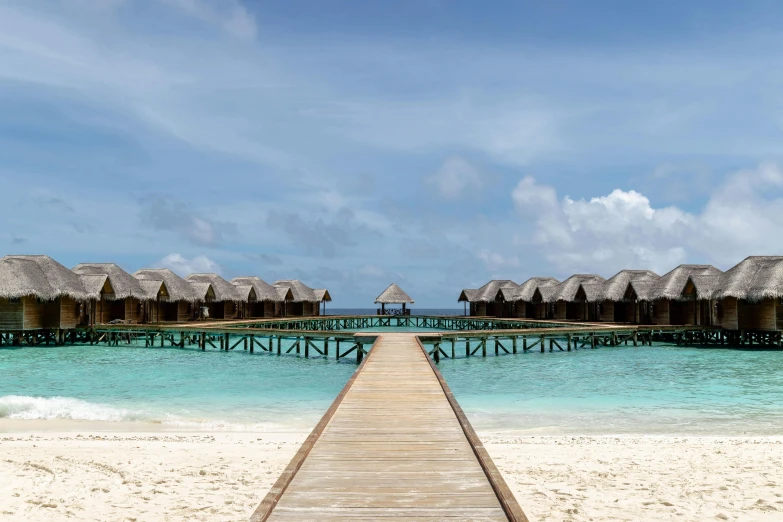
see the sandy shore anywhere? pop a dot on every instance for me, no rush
(173, 476)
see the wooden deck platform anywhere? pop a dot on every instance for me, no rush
(394, 445)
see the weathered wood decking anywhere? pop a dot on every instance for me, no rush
(393, 446)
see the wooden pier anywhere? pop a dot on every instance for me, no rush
(394, 445)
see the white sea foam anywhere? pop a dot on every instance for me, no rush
(24, 407)
(46, 408)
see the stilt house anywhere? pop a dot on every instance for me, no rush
(304, 304)
(178, 305)
(749, 295)
(224, 301)
(674, 302)
(484, 301)
(567, 302)
(38, 293)
(528, 299)
(623, 302)
(120, 295)
(268, 303)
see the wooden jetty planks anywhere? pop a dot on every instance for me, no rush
(393, 447)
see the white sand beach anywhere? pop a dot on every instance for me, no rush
(176, 476)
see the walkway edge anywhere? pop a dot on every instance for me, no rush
(504, 494)
(264, 510)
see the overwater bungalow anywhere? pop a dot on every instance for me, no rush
(527, 300)
(178, 303)
(269, 302)
(567, 301)
(393, 295)
(748, 295)
(674, 302)
(484, 302)
(304, 303)
(38, 293)
(119, 295)
(222, 299)
(323, 296)
(625, 297)
(155, 292)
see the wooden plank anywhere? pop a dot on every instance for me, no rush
(393, 447)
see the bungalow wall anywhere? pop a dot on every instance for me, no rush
(607, 312)
(727, 314)
(757, 316)
(61, 314)
(561, 311)
(682, 312)
(576, 311)
(624, 312)
(660, 314)
(230, 309)
(178, 311)
(25, 313)
(184, 311)
(481, 309)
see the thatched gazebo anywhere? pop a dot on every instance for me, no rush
(177, 305)
(269, 302)
(119, 295)
(304, 302)
(393, 295)
(38, 293)
(749, 294)
(323, 296)
(225, 301)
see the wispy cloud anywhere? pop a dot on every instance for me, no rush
(167, 214)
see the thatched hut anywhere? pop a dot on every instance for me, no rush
(269, 302)
(749, 295)
(673, 302)
(484, 301)
(323, 296)
(623, 302)
(527, 300)
(38, 293)
(223, 300)
(155, 292)
(304, 302)
(393, 295)
(566, 300)
(119, 294)
(178, 303)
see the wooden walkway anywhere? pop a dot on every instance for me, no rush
(394, 445)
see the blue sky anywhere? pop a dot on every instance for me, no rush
(432, 143)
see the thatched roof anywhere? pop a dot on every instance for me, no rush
(566, 291)
(153, 289)
(223, 290)
(203, 291)
(526, 290)
(671, 285)
(123, 284)
(94, 284)
(704, 285)
(393, 295)
(264, 291)
(616, 286)
(486, 293)
(593, 291)
(322, 294)
(178, 289)
(38, 276)
(754, 279)
(642, 290)
(247, 294)
(301, 292)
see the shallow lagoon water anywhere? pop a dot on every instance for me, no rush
(622, 390)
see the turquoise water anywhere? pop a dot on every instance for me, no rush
(657, 390)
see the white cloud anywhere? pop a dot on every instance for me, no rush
(183, 266)
(624, 230)
(454, 176)
(230, 15)
(495, 261)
